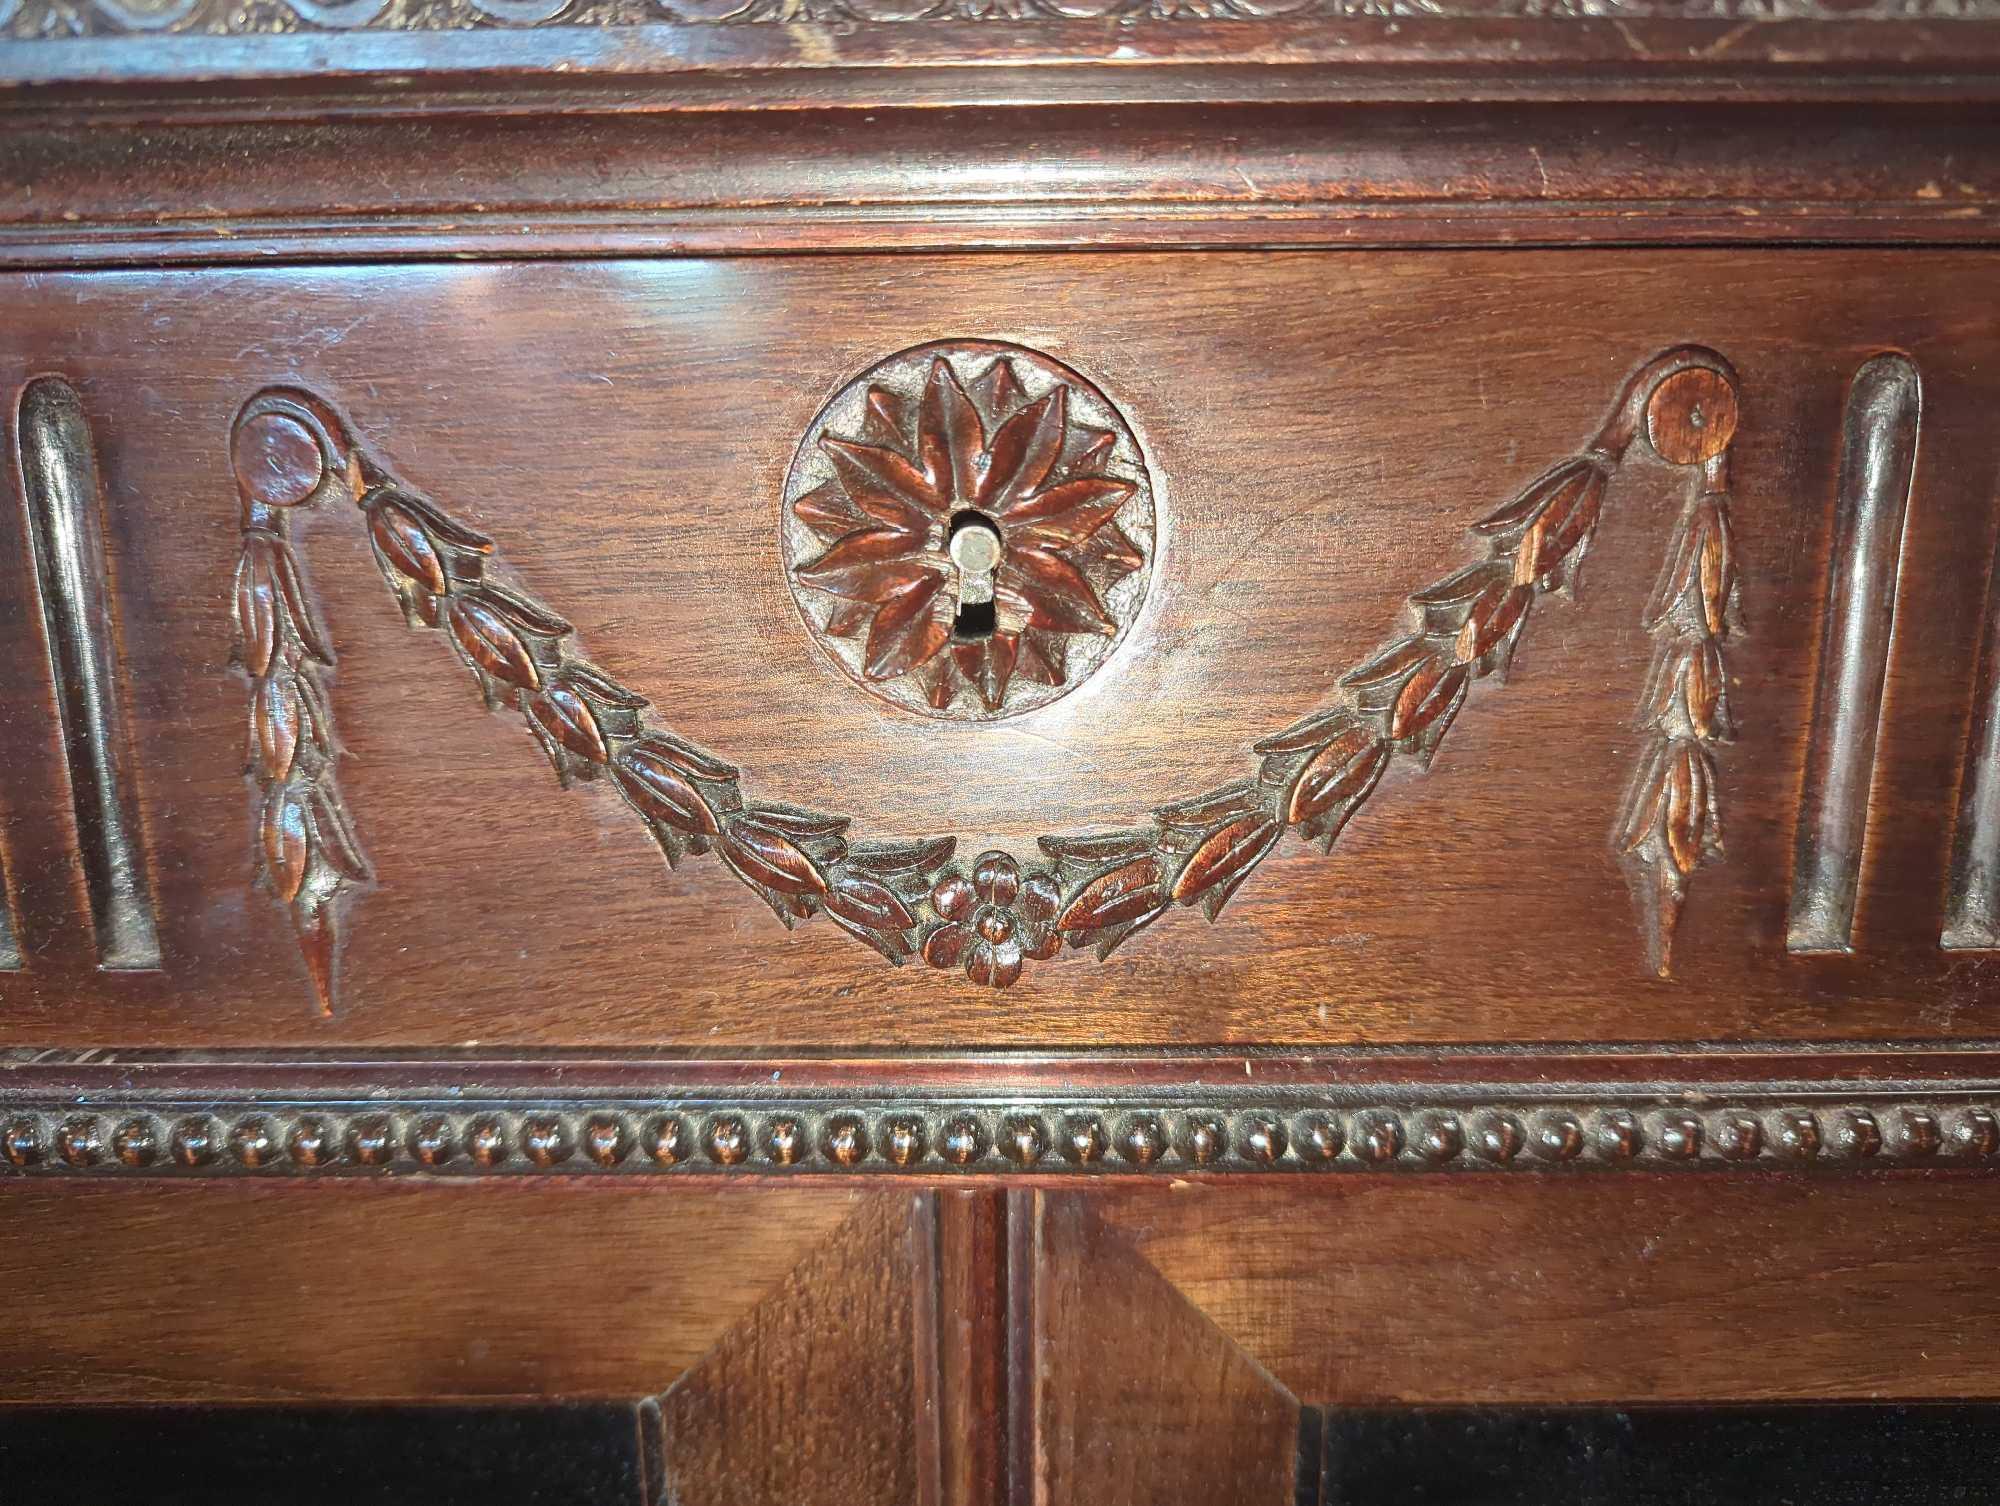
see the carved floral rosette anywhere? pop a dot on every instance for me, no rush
(931, 440)
(993, 914)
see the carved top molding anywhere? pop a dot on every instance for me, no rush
(27, 19)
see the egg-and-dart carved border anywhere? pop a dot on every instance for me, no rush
(291, 451)
(76, 18)
(465, 1137)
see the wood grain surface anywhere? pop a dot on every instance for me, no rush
(1570, 1292)
(815, 1396)
(1322, 428)
(383, 1292)
(1197, 155)
(1138, 1398)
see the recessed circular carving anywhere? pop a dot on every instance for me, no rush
(277, 461)
(1691, 416)
(969, 529)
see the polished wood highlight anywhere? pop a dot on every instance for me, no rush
(58, 470)
(1878, 456)
(10, 949)
(647, 512)
(1972, 892)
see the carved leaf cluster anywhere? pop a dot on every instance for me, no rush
(798, 862)
(1093, 890)
(306, 853)
(1672, 819)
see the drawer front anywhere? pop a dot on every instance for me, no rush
(1654, 795)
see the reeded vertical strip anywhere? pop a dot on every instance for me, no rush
(1972, 896)
(1877, 460)
(59, 487)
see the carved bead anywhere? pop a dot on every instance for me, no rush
(963, 1141)
(845, 1140)
(727, 1140)
(193, 1141)
(311, 1142)
(545, 1140)
(1498, 1138)
(371, 1140)
(432, 1142)
(486, 1141)
(786, 1141)
(1261, 1140)
(77, 1142)
(1083, 1140)
(1320, 1138)
(135, 1142)
(1024, 1140)
(1975, 1132)
(667, 1140)
(1795, 1135)
(903, 1140)
(1439, 1138)
(1680, 1137)
(277, 460)
(1558, 1136)
(1207, 1138)
(1739, 1137)
(1918, 1133)
(21, 1142)
(1378, 1137)
(1142, 1140)
(605, 1140)
(1618, 1135)
(1856, 1134)
(252, 1142)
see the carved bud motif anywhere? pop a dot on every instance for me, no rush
(575, 714)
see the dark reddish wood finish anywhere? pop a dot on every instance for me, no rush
(1355, 284)
(632, 469)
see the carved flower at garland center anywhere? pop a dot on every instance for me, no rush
(993, 920)
(970, 528)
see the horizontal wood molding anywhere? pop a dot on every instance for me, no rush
(563, 176)
(997, 1117)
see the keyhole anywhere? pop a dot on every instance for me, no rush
(975, 547)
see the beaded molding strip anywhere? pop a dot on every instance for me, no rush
(1051, 1137)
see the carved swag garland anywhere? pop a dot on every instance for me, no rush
(989, 916)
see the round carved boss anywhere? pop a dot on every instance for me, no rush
(968, 529)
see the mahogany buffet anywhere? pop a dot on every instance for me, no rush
(968, 752)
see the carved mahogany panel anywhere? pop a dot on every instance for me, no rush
(611, 443)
